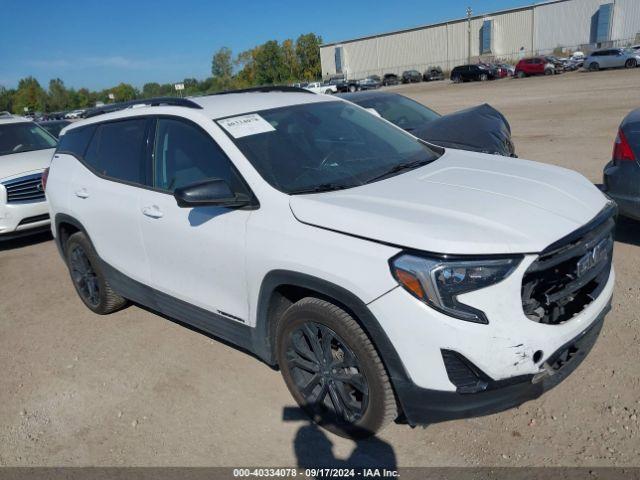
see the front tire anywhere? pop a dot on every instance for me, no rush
(594, 66)
(333, 370)
(456, 79)
(88, 278)
(631, 63)
(521, 74)
(484, 77)
(352, 88)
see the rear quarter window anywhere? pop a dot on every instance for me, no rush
(117, 151)
(75, 141)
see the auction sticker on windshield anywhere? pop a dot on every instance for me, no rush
(246, 125)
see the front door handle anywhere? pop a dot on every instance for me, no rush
(82, 193)
(153, 212)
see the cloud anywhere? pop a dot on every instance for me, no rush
(116, 61)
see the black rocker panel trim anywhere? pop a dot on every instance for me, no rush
(202, 319)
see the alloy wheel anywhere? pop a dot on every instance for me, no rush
(84, 276)
(327, 373)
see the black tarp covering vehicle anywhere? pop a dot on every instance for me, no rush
(478, 129)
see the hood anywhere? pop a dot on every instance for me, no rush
(481, 129)
(463, 203)
(23, 162)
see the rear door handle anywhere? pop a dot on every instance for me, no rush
(153, 212)
(82, 193)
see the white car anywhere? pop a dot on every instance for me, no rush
(612, 58)
(25, 151)
(319, 87)
(74, 114)
(386, 277)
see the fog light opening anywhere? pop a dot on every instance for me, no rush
(537, 356)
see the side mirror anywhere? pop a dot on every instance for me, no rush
(213, 192)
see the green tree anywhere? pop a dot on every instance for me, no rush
(290, 60)
(151, 89)
(246, 62)
(308, 52)
(58, 96)
(30, 95)
(124, 92)
(6, 99)
(269, 64)
(222, 69)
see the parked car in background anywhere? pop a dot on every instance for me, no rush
(534, 66)
(411, 76)
(558, 65)
(344, 84)
(25, 151)
(622, 173)
(385, 277)
(612, 58)
(508, 68)
(477, 129)
(75, 114)
(432, 74)
(319, 87)
(467, 73)
(370, 83)
(390, 79)
(54, 126)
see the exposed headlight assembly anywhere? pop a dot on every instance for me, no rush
(439, 281)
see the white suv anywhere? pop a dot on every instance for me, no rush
(387, 278)
(25, 151)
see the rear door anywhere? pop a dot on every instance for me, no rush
(105, 193)
(195, 254)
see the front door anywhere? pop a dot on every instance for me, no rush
(195, 254)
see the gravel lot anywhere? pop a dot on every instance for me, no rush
(136, 389)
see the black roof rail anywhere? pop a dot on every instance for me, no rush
(266, 89)
(151, 102)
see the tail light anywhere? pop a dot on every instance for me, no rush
(45, 177)
(622, 150)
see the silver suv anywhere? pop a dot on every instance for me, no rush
(612, 58)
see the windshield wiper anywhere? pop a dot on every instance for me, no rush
(401, 167)
(323, 187)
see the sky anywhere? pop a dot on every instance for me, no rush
(98, 44)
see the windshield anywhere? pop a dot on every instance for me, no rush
(24, 137)
(326, 146)
(399, 110)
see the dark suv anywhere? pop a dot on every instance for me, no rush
(411, 76)
(467, 73)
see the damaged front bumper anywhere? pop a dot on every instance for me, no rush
(425, 406)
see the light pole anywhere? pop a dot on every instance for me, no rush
(469, 12)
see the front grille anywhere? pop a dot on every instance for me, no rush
(25, 189)
(571, 273)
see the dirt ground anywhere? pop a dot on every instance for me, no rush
(136, 389)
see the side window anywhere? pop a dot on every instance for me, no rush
(117, 150)
(184, 154)
(76, 141)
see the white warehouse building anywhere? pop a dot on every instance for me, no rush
(539, 29)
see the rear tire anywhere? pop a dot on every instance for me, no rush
(483, 77)
(548, 72)
(521, 74)
(631, 63)
(352, 88)
(594, 66)
(455, 79)
(333, 370)
(88, 278)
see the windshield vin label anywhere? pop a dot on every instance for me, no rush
(246, 125)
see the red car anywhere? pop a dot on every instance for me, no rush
(534, 66)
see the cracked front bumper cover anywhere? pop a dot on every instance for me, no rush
(423, 406)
